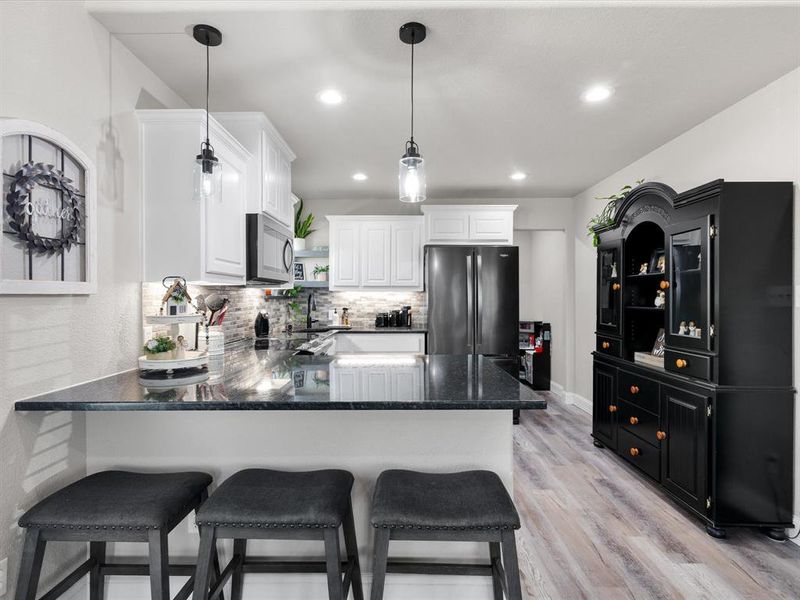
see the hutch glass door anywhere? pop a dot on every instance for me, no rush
(609, 288)
(689, 268)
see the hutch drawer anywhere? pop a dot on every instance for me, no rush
(640, 454)
(689, 364)
(639, 390)
(609, 345)
(640, 422)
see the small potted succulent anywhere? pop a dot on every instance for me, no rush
(302, 227)
(321, 272)
(160, 347)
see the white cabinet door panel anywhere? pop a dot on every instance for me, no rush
(285, 206)
(375, 254)
(406, 254)
(270, 179)
(345, 240)
(375, 384)
(448, 226)
(380, 342)
(224, 224)
(490, 226)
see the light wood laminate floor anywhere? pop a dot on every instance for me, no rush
(592, 528)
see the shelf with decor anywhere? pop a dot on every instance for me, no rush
(311, 254)
(312, 283)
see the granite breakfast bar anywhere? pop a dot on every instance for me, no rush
(271, 408)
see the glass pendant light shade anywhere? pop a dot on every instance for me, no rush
(207, 176)
(412, 178)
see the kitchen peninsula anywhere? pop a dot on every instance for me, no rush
(272, 408)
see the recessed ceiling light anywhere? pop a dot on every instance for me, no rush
(360, 176)
(330, 96)
(518, 176)
(597, 93)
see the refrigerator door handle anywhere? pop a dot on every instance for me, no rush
(479, 309)
(470, 308)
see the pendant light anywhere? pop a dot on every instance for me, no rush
(411, 179)
(207, 170)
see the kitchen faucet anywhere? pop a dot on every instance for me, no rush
(312, 305)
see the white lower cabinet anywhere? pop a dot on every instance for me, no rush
(354, 343)
(203, 241)
(376, 252)
(377, 383)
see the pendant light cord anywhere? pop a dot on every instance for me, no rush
(208, 78)
(412, 87)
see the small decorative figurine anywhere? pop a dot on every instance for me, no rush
(661, 264)
(692, 329)
(661, 299)
(643, 269)
(176, 298)
(682, 329)
(614, 270)
(180, 348)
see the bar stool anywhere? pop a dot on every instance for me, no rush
(280, 505)
(112, 506)
(472, 506)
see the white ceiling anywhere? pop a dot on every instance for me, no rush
(498, 84)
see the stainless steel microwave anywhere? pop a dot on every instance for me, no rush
(270, 254)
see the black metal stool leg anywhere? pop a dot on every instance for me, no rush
(511, 566)
(379, 558)
(31, 566)
(333, 563)
(97, 552)
(351, 546)
(237, 578)
(494, 557)
(159, 565)
(202, 573)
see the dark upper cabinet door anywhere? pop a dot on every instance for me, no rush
(609, 287)
(684, 438)
(604, 413)
(689, 269)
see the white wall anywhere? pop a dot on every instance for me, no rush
(756, 139)
(543, 278)
(60, 67)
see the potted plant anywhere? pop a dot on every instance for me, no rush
(606, 216)
(302, 227)
(159, 347)
(321, 272)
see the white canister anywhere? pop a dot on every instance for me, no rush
(216, 340)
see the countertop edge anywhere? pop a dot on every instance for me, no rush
(23, 406)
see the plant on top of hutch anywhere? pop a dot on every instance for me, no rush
(693, 362)
(606, 216)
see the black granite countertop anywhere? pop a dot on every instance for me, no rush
(276, 379)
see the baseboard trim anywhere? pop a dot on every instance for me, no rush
(795, 530)
(558, 390)
(579, 401)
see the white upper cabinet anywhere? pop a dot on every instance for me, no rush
(201, 241)
(376, 252)
(469, 224)
(269, 185)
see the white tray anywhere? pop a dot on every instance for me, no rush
(173, 319)
(171, 381)
(193, 359)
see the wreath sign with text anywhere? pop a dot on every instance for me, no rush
(21, 208)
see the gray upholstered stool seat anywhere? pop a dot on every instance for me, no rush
(267, 498)
(471, 506)
(280, 505)
(468, 500)
(113, 506)
(119, 500)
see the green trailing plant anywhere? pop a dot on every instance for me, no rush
(293, 293)
(158, 344)
(606, 216)
(302, 226)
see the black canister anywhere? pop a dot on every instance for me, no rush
(381, 320)
(261, 325)
(394, 318)
(405, 317)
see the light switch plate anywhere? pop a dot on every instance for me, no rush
(3, 576)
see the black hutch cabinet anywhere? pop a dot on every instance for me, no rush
(706, 277)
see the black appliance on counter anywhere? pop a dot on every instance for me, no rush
(395, 318)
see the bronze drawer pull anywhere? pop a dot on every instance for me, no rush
(661, 436)
(634, 452)
(634, 420)
(634, 389)
(612, 408)
(681, 363)
(664, 285)
(606, 345)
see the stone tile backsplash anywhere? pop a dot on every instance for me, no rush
(245, 302)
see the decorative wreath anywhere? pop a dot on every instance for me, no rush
(28, 177)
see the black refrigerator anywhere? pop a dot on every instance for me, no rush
(473, 300)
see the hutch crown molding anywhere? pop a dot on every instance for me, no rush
(709, 272)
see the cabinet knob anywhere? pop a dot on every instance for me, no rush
(616, 287)
(634, 389)
(606, 345)
(664, 284)
(612, 408)
(681, 363)
(634, 420)
(661, 436)
(634, 452)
